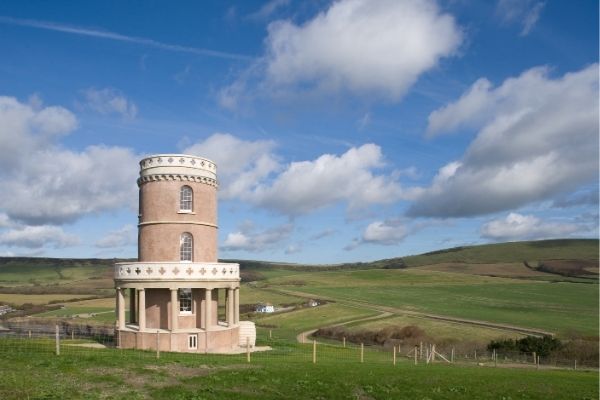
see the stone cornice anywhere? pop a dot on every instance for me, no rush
(178, 222)
(177, 177)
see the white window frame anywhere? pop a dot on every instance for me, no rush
(186, 247)
(186, 199)
(185, 301)
(192, 342)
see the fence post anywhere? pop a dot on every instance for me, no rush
(57, 341)
(495, 358)
(475, 355)
(270, 334)
(399, 351)
(247, 349)
(416, 348)
(421, 351)
(452, 356)
(534, 358)
(344, 341)
(314, 351)
(575, 366)
(157, 344)
(362, 352)
(72, 334)
(394, 355)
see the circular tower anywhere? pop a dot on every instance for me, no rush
(176, 286)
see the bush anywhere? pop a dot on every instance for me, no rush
(543, 346)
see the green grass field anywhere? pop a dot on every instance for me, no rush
(556, 307)
(29, 370)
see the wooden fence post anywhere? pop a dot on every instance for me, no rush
(452, 356)
(575, 366)
(57, 338)
(399, 351)
(29, 334)
(394, 355)
(157, 344)
(421, 351)
(362, 352)
(344, 341)
(475, 355)
(247, 349)
(270, 334)
(416, 348)
(72, 334)
(314, 351)
(534, 358)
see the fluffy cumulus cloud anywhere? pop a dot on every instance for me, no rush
(36, 237)
(252, 172)
(45, 183)
(537, 138)
(385, 232)
(527, 227)
(377, 47)
(240, 163)
(249, 238)
(125, 236)
(309, 185)
(109, 101)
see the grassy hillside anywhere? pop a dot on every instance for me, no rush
(564, 249)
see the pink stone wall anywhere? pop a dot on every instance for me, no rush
(159, 202)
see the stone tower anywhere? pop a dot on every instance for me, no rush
(180, 297)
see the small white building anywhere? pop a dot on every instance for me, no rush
(265, 308)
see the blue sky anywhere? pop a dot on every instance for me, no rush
(352, 130)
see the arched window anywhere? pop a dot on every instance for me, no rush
(186, 247)
(186, 198)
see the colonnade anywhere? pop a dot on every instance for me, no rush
(138, 311)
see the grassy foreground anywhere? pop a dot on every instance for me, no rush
(30, 370)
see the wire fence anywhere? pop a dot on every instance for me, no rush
(64, 339)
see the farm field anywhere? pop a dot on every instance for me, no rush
(20, 299)
(284, 373)
(555, 307)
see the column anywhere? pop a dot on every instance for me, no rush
(207, 309)
(174, 309)
(230, 307)
(132, 313)
(236, 306)
(121, 308)
(142, 309)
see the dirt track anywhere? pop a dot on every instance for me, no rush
(400, 311)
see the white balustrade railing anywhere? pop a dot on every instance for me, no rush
(176, 271)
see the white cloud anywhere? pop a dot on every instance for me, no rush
(309, 185)
(126, 236)
(527, 227)
(110, 101)
(250, 239)
(537, 138)
(293, 248)
(34, 237)
(524, 12)
(376, 47)
(44, 183)
(240, 163)
(385, 232)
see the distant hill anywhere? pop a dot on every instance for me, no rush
(542, 250)
(543, 255)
